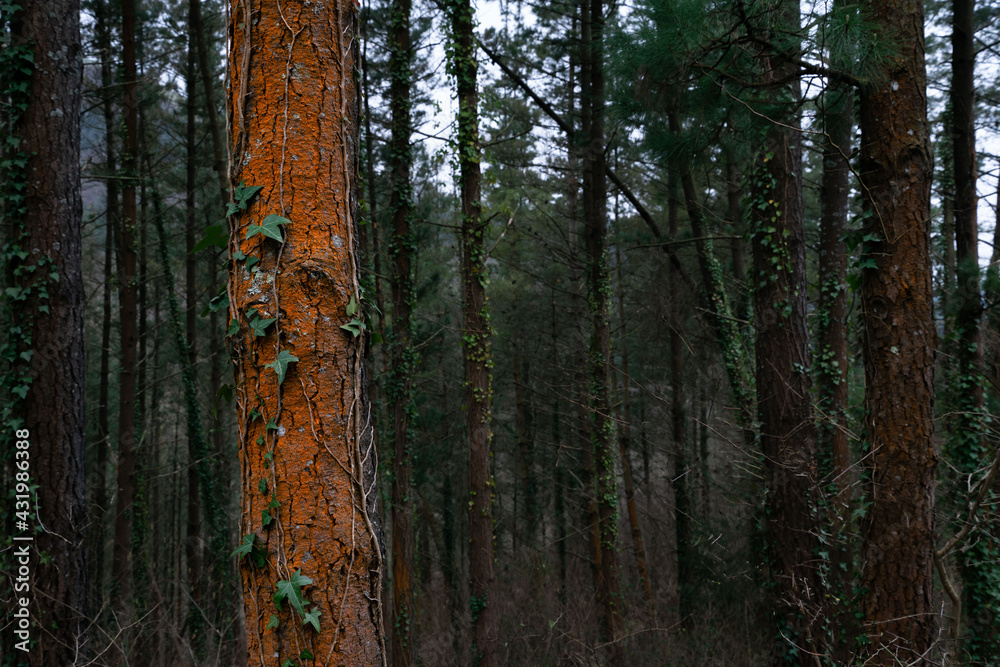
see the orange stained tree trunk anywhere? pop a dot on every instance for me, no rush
(311, 559)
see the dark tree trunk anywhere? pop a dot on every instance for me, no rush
(678, 419)
(207, 70)
(624, 445)
(979, 560)
(525, 446)
(734, 198)
(477, 338)
(194, 626)
(784, 407)
(832, 363)
(898, 348)
(595, 220)
(399, 388)
(122, 557)
(53, 427)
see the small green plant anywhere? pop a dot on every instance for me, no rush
(251, 547)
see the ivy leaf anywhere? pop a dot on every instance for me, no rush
(280, 364)
(355, 326)
(265, 520)
(260, 325)
(262, 485)
(269, 227)
(273, 623)
(250, 548)
(214, 235)
(245, 548)
(216, 304)
(312, 618)
(288, 663)
(352, 307)
(243, 195)
(306, 655)
(291, 590)
(234, 328)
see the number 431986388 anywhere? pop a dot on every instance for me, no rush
(22, 460)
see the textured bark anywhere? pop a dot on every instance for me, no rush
(784, 402)
(54, 404)
(832, 363)
(399, 389)
(308, 496)
(122, 555)
(477, 337)
(898, 348)
(595, 220)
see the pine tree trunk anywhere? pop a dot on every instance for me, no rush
(194, 629)
(980, 560)
(399, 387)
(784, 402)
(598, 286)
(477, 338)
(122, 558)
(207, 70)
(309, 506)
(898, 348)
(53, 430)
(832, 364)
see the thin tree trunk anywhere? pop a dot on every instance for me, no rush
(832, 363)
(399, 387)
(734, 198)
(48, 447)
(898, 348)
(624, 445)
(726, 333)
(103, 39)
(477, 337)
(207, 69)
(524, 446)
(309, 506)
(598, 285)
(678, 417)
(122, 557)
(194, 627)
(978, 561)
